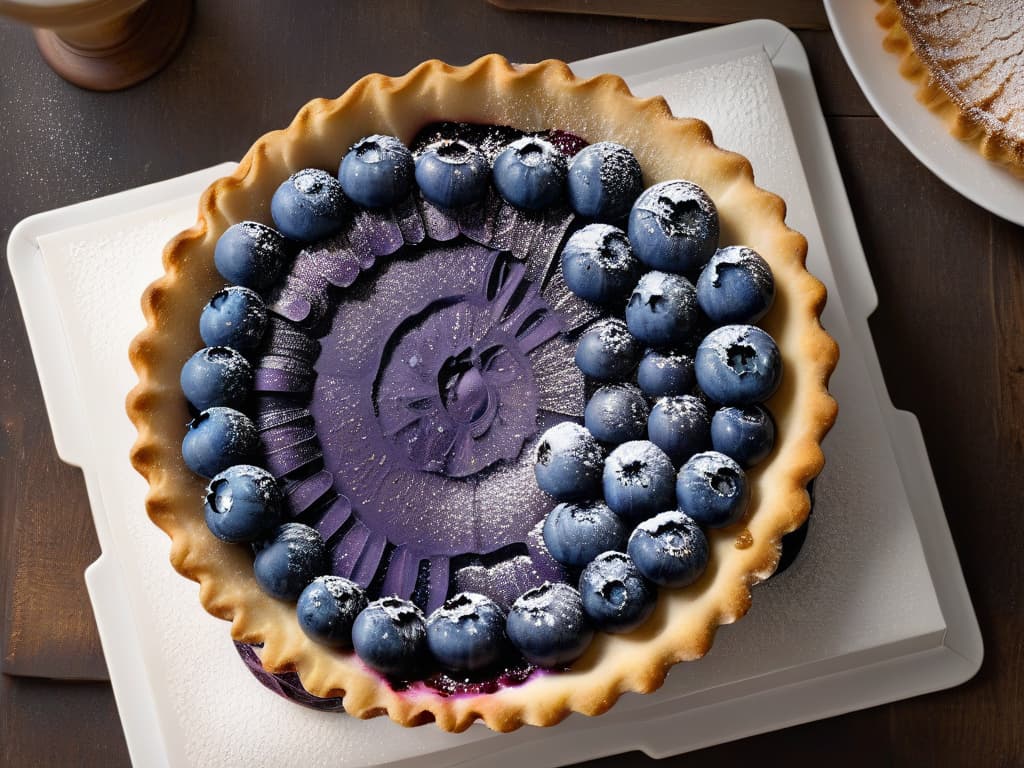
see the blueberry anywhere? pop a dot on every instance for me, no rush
(235, 317)
(452, 173)
(576, 533)
(746, 435)
(287, 562)
(598, 264)
(377, 172)
(738, 365)
(662, 311)
(607, 351)
(548, 626)
(219, 438)
(638, 480)
(250, 254)
(243, 503)
(216, 376)
(712, 489)
(680, 426)
(390, 636)
(669, 549)
(327, 609)
(467, 633)
(736, 286)
(604, 180)
(617, 413)
(665, 373)
(309, 205)
(568, 462)
(616, 596)
(674, 227)
(530, 173)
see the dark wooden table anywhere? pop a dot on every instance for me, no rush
(950, 333)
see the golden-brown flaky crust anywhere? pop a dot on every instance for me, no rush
(937, 91)
(489, 90)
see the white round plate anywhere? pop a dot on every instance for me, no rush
(921, 131)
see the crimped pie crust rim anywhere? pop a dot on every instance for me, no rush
(936, 91)
(541, 95)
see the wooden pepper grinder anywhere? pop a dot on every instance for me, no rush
(104, 45)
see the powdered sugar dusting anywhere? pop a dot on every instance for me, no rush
(402, 612)
(682, 410)
(675, 531)
(614, 335)
(550, 605)
(619, 168)
(739, 256)
(751, 125)
(681, 208)
(608, 246)
(606, 406)
(978, 48)
(656, 286)
(268, 239)
(637, 462)
(340, 588)
(569, 438)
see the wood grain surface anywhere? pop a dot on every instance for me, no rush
(950, 334)
(798, 14)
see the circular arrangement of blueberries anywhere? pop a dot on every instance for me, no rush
(677, 374)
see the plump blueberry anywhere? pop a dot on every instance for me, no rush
(736, 286)
(287, 562)
(674, 227)
(235, 317)
(218, 438)
(467, 633)
(680, 426)
(638, 481)
(616, 596)
(617, 413)
(576, 533)
(746, 435)
(598, 264)
(738, 365)
(548, 626)
(216, 376)
(607, 351)
(309, 205)
(669, 549)
(665, 373)
(377, 172)
(243, 503)
(568, 462)
(327, 609)
(452, 173)
(390, 636)
(662, 311)
(250, 254)
(712, 489)
(604, 180)
(530, 173)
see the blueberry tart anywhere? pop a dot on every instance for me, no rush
(442, 361)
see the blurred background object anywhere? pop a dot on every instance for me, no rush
(104, 45)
